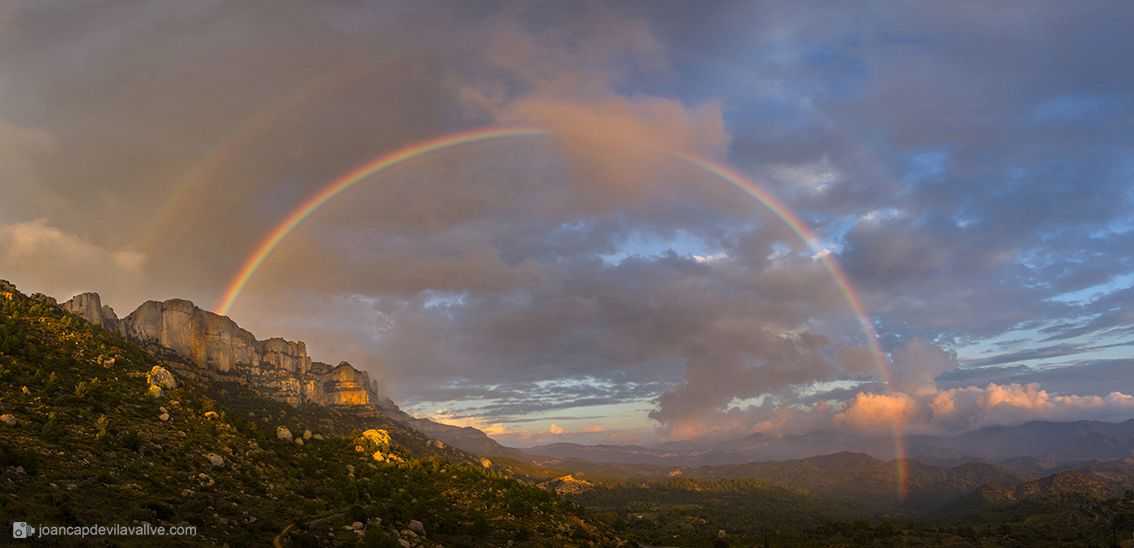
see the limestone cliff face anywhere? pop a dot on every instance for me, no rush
(89, 306)
(277, 368)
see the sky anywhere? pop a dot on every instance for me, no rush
(969, 167)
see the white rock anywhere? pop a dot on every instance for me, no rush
(187, 493)
(10, 420)
(164, 417)
(417, 526)
(357, 525)
(216, 460)
(283, 433)
(299, 441)
(404, 543)
(306, 434)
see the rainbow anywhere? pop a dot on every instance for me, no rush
(778, 208)
(350, 179)
(843, 282)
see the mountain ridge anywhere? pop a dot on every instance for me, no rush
(218, 349)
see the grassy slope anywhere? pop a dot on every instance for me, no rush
(93, 451)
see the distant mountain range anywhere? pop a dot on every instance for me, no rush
(1043, 441)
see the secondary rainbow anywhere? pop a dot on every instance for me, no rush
(388, 161)
(193, 182)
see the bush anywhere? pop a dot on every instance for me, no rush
(52, 430)
(131, 440)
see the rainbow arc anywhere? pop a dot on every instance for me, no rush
(446, 142)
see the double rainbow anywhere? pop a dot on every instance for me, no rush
(392, 159)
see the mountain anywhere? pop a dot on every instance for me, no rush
(862, 476)
(95, 429)
(215, 348)
(1042, 440)
(467, 438)
(996, 493)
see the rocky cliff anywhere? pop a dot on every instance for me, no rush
(212, 344)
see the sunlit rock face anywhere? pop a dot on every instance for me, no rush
(348, 386)
(277, 368)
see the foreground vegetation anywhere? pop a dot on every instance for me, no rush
(89, 444)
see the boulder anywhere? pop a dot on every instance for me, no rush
(160, 376)
(9, 420)
(216, 460)
(283, 433)
(306, 434)
(417, 527)
(164, 417)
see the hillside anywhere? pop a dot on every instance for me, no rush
(95, 431)
(682, 506)
(864, 477)
(1063, 482)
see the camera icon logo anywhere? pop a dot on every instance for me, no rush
(21, 529)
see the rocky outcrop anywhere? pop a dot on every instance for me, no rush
(277, 368)
(89, 306)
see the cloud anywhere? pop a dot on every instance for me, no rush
(42, 258)
(564, 78)
(857, 359)
(877, 413)
(966, 175)
(917, 364)
(622, 438)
